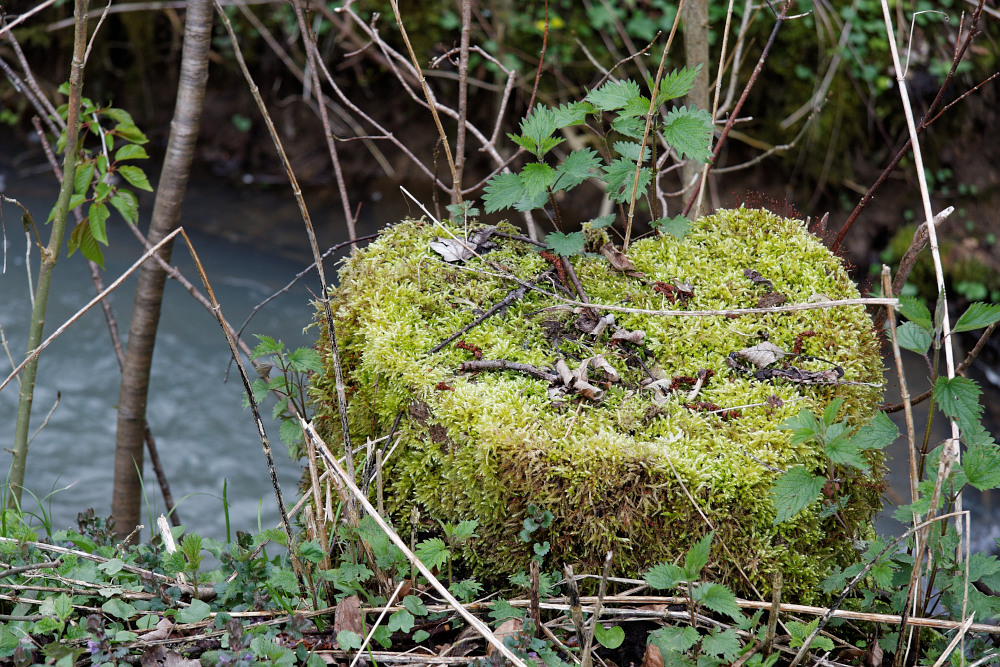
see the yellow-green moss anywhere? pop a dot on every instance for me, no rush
(483, 446)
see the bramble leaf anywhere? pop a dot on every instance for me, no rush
(794, 491)
(135, 176)
(576, 168)
(915, 311)
(676, 84)
(565, 245)
(502, 191)
(879, 433)
(978, 316)
(620, 175)
(982, 466)
(913, 337)
(689, 131)
(613, 95)
(677, 226)
(958, 398)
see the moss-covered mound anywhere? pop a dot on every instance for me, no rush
(621, 451)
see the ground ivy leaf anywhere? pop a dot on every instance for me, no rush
(958, 398)
(913, 337)
(503, 191)
(915, 311)
(718, 598)
(348, 640)
(879, 433)
(676, 84)
(978, 316)
(793, 492)
(982, 466)
(401, 620)
(613, 95)
(664, 576)
(565, 244)
(576, 168)
(689, 131)
(677, 226)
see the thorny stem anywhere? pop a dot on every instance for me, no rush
(779, 19)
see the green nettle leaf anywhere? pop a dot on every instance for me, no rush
(978, 316)
(804, 426)
(958, 398)
(674, 639)
(501, 610)
(689, 131)
(402, 620)
(697, 557)
(502, 191)
(527, 143)
(718, 598)
(915, 311)
(845, 451)
(676, 84)
(574, 113)
(677, 226)
(348, 640)
(603, 221)
(125, 611)
(982, 466)
(127, 205)
(830, 413)
(725, 644)
(98, 219)
(537, 178)
(433, 552)
(630, 150)
(576, 168)
(611, 637)
(131, 152)
(794, 491)
(305, 360)
(800, 631)
(311, 551)
(664, 576)
(982, 565)
(620, 175)
(913, 337)
(196, 611)
(879, 433)
(135, 176)
(613, 95)
(565, 245)
(81, 180)
(637, 107)
(630, 126)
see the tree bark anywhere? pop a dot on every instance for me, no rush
(126, 503)
(695, 17)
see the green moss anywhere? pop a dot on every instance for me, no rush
(619, 473)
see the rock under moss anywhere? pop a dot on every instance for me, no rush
(623, 470)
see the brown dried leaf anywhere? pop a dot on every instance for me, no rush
(161, 631)
(159, 656)
(771, 299)
(609, 371)
(565, 374)
(762, 354)
(619, 261)
(652, 658)
(347, 616)
(453, 250)
(508, 628)
(758, 279)
(635, 337)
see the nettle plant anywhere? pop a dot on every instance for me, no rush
(100, 172)
(629, 159)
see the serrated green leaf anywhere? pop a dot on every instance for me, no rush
(501, 610)
(127, 205)
(527, 143)
(611, 637)
(131, 152)
(98, 218)
(718, 598)
(502, 191)
(878, 433)
(537, 178)
(676, 84)
(135, 176)
(958, 398)
(794, 491)
(433, 552)
(613, 95)
(283, 579)
(532, 203)
(305, 360)
(620, 175)
(844, 451)
(196, 611)
(311, 551)
(830, 413)
(348, 640)
(912, 336)
(689, 132)
(978, 316)
(574, 113)
(630, 126)
(81, 180)
(725, 644)
(982, 466)
(630, 150)
(804, 426)
(697, 557)
(603, 221)
(800, 631)
(576, 168)
(465, 530)
(982, 565)
(565, 245)
(664, 576)
(124, 610)
(915, 311)
(674, 639)
(677, 226)
(636, 107)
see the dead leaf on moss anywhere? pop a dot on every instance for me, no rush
(762, 354)
(635, 337)
(453, 250)
(619, 261)
(159, 656)
(758, 279)
(771, 299)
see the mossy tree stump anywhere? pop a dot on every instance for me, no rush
(621, 471)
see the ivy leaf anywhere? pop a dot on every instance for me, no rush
(697, 557)
(689, 131)
(676, 84)
(613, 95)
(794, 491)
(127, 205)
(913, 337)
(565, 245)
(576, 168)
(978, 316)
(718, 598)
(677, 226)
(135, 176)
(537, 178)
(664, 576)
(620, 175)
(915, 311)
(958, 398)
(879, 433)
(982, 466)
(503, 191)
(98, 219)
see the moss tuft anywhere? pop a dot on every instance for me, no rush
(620, 473)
